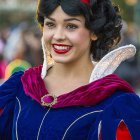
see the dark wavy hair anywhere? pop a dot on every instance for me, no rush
(101, 18)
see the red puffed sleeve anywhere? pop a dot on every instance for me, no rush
(123, 132)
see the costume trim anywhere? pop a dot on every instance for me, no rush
(48, 100)
(18, 117)
(86, 95)
(122, 121)
(99, 130)
(78, 120)
(109, 63)
(45, 63)
(42, 123)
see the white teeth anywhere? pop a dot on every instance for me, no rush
(61, 47)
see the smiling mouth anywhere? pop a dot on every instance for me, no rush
(61, 49)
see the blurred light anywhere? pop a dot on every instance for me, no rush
(131, 2)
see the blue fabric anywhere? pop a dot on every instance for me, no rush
(25, 119)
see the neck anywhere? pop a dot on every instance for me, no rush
(74, 70)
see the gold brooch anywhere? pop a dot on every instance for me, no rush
(48, 100)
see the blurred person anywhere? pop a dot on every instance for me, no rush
(3, 62)
(78, 96)
(32, 49)
(130, 69)
(4, 34)
(12, 41)
(27, 46)
(3, 65)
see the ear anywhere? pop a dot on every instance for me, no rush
(93, 37)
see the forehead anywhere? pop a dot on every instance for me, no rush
(59, 14)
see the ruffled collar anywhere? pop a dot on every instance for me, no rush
(86, 95)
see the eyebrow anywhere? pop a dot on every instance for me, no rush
(66, 20)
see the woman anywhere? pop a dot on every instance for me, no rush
(77, 97)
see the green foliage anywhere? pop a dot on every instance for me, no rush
(127, 12)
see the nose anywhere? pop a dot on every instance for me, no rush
(59, 34)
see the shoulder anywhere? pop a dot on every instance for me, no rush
(125, 105)
(31, 73)
(13, 80)
(127, 101)
(9, 89)
(32, 77)
(124, 108)
(121, 111)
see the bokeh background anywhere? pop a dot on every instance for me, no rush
(20, 46)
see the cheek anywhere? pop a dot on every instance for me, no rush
(80, 37)
(47, 40)
(47, 36)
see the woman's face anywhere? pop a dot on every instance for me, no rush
(66, 37)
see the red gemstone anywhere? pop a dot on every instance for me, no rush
(48, 99)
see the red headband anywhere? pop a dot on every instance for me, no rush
(86, 1)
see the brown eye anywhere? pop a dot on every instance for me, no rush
(49, 24)
(71, 27)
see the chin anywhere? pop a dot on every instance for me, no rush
(61, 61)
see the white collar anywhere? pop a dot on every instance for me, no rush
(109, 63)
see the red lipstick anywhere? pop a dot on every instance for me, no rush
(61, 48)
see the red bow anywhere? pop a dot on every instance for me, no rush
(85, 1)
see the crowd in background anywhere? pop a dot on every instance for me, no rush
(130, 69)
(20, 48)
